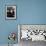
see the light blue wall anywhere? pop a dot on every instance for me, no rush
(28, 12)
(33, 12)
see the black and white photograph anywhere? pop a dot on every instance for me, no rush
(10, 11)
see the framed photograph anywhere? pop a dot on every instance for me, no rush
(10, 12)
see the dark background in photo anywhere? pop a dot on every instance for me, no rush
(10, 12)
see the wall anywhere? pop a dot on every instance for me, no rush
(28, 12)
(33, 12)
